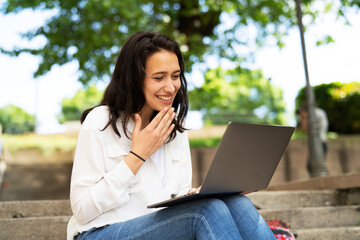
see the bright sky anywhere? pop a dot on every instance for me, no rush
(338, 61)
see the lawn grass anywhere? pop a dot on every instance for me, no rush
(47, 144)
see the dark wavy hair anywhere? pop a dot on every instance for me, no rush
(124, 95)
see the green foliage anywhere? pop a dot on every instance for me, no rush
(205, 142)
(215, 141)
(47, 144)
(91, 31)
(341, 102)
(72, 108)
(238, 95)
(326, 40)
(15, 120)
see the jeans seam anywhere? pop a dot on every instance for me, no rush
(207, 225)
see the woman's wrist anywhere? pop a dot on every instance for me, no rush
(138, 156)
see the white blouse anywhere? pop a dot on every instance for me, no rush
(159, 160)
(105, 191)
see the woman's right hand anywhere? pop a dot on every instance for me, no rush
(194, 190)
(147, 141)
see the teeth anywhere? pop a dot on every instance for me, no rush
(164, 98)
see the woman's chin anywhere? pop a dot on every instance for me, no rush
(162, 106)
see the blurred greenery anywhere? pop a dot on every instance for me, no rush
(91, 32)
(226, 95)
(238, 95)
(215, 140)
(72, 108)
(15, 120)
(326, 40)
(47, 144)
(341, 102)
(205, 142)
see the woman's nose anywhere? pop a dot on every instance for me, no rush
(169, 86)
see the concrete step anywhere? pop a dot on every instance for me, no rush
(316, 217)
(39, 228)
(263, 200)
(37, 182)
(294, 199)
(304, 198)
(34, 208)
(55, 228)
(311, 214)
(348, 233)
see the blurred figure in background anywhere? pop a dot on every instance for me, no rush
(322, 121)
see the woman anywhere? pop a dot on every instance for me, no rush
(133, 150)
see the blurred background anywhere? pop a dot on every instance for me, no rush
(243, 63)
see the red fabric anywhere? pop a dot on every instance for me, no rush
(281, 229)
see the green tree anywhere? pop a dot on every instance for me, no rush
(15, 120)
(341, 102)
(91, 31)
(72, 108)
(238, 95)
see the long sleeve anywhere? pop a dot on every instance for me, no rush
(93, 190)
(103, 188)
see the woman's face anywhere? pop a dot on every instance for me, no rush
(162, 81)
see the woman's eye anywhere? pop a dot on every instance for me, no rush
(158, 78)
(175, 77)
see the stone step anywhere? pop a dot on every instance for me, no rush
(310, 214)
(55, 228)
(39, 228)
(348, 233)
(316, 217)
(304, 198)
(34, 208)
(264, 200)
(37, 182)
(294, 199)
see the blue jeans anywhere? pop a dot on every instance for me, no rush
(232, 217)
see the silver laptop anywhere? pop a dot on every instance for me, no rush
(245, 161)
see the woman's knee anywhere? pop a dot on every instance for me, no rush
(212, 207)
(206, 220)
(238, 201)
(224, 205)
(240, 205)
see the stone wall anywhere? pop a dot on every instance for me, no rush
(343, 157)
(28, 178)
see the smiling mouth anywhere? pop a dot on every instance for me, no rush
(165, 98)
